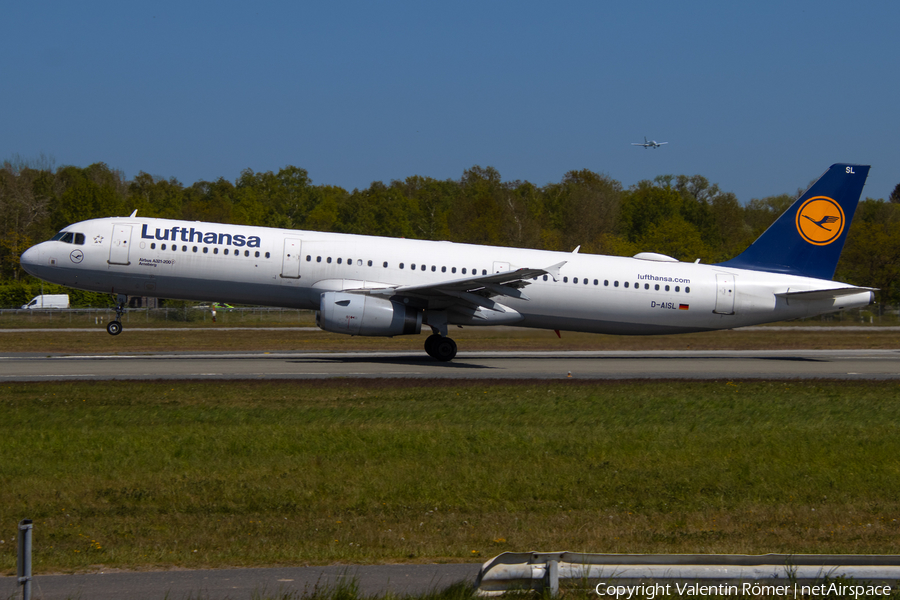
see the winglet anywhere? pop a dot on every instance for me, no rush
(553, 270)
(808, 238)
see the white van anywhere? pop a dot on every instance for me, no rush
(48, 301)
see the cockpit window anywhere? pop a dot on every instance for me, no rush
(69, 238)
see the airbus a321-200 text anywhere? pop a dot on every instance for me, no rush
(377, 286)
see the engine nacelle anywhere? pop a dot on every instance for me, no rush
(357, 314)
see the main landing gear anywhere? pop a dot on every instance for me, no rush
(440, 347)
(115, 327)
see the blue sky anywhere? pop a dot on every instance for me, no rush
(758, 97)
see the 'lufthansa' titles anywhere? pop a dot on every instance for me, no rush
(184, 234)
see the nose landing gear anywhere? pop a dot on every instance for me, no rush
(115, 327)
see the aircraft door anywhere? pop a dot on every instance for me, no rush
(290, 259)
(724, 294)
(501, 267)
(121, 241)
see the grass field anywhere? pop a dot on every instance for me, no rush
(150, 475)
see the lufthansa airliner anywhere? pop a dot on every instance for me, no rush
(376, 286)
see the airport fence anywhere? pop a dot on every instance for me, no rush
(179, 316)
(186, 314)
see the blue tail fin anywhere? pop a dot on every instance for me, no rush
(807, 239)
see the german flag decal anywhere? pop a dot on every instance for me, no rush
(684, 307)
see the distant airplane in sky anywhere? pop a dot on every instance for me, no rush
(649, 143)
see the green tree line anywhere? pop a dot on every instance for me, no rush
(686, 217)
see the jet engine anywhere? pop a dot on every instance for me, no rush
(358, 314)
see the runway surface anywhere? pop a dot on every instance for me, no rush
(241, 584)
(669, 364)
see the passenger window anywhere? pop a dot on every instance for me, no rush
(152, 246)
(484, 271)
(433, 268)
(615, 284)
(667, 288)
(585, 281)
(677, 288)
(656, 287)
(369, 263)
(195, 249)
(184, 248)
(318, 259)
(257, 254)
(596, 282)
(226, 251)
(339, 261)
(412, 266)
(267, 255)
(545, 278)
(385, 264)
(401, 265)
(246, 253)
(453, 270)
(215, 250)
(308, 258)
(687, 290)
(464, 271)
(575, 280)
(443, 269)
(79, 239)
(565, 280)
(423, 267)
(205, 250)
(606, 282)
(646, 286)
(328, 260)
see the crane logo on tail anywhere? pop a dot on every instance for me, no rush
(820, 220)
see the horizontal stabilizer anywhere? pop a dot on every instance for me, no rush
(824, 294)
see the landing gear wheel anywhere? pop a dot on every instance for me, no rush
(115, 327)
(429, 344)
(444, 349)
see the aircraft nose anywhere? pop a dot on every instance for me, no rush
(30, 260)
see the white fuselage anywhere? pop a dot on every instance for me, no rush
(292, 268)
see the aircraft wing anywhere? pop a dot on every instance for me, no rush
(474, 291)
